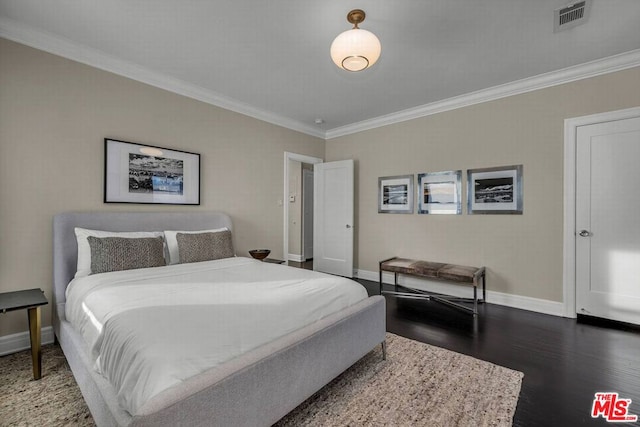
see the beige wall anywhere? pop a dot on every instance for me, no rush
(523, 253)
(54, 114)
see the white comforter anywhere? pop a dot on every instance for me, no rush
(152, 328)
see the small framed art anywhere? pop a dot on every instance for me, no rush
(136, 173)
(395, 194)
(439, 193)
(495, 190)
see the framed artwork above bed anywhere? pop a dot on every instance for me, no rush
(137, 173)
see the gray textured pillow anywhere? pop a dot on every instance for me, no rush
(204, 246)
(121, 253)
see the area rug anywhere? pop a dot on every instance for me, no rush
(54, 400)
(418, 385)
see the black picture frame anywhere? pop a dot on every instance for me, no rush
(147, 174)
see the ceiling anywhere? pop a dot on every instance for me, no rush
(270, 59)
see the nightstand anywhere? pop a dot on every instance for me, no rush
(273, 261)
(30, 299)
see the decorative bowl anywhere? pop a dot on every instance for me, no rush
(259, 253)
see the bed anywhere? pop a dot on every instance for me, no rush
(254, 388)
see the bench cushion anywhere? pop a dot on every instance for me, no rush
(427, 269)
(398, 265)
(436, 270)
(457, 273)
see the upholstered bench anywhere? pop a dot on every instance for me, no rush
(459, 274)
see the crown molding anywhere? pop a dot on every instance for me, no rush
(566, 75)
(47, 42)
(65, 48)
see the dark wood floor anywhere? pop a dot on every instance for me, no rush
(565, 362)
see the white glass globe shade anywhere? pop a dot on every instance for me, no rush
(355, 49)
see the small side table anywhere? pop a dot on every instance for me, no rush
(273, 261)
(31, 299)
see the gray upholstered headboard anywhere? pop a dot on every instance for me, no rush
(65, 248)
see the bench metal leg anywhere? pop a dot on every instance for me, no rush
(475, 300)
(484, 287)
(451, 301)
(443, 299)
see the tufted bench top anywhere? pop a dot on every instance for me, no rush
(435, 270)
(458, 274)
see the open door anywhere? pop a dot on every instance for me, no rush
(307, 214)
(333, 218)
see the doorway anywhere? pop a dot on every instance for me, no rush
(307, 213)
(300, 206)
(298, 210)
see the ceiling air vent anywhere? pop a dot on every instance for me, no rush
(571, 15)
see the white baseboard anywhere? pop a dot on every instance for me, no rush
(17, 342)
(296, 258)
(516, 301)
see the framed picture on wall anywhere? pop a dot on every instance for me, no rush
(440, 193)
(395, 194)
(136, 173)
(495, 190)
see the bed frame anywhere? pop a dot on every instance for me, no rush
(255, 389)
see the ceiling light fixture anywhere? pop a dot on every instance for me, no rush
(355, 49)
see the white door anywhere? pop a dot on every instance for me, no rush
(307, 214)
(608, 220)
(333, 218)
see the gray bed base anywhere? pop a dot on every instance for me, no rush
(255, 389)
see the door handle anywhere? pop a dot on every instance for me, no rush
(348, 226)
(584, 233)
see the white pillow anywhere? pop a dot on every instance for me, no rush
(84, 250)
(172, 242)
